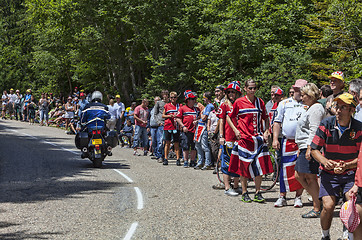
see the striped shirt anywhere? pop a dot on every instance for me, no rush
(249, 116)
(338, 146)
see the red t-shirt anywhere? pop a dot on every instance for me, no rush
(188, 116)
(141, 113)
(249, 116)
(224, 110)
(170, 109)
(272, 114)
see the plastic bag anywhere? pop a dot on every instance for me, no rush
(349, 215)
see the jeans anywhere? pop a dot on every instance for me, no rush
(140, 136)
(203, 150)
(157, 139)
(44, 115)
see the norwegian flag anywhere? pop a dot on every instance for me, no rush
(234, 85)
(250, 158)
(189, 94)
(288, 182)
(198, 132)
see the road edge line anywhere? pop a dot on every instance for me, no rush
(131, 231)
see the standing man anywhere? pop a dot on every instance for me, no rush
(269, 105)
(187, 117)
(337, 86)
(158, 110)
(201, 135)
(27, 100)
(340, 138)
(141, 117)
(219, 95)
(11, 104)
(82, 103)
(288, 113)
(17, 105)
(120, 113)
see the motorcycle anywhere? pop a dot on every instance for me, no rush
(96, 144)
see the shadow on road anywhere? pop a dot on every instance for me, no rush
(32, 171)
(26, 235)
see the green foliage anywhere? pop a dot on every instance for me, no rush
(137, 48)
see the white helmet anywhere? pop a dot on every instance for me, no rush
(97, 96)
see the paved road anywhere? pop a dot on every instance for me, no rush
(50, 193)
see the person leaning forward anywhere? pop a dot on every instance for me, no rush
(340, 138)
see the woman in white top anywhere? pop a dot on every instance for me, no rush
(113, 109)
(306, 168)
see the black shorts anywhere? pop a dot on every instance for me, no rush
(187, 141)
(169, 135)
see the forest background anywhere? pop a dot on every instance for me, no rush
(135, 48)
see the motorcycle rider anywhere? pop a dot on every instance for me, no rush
(95, 113)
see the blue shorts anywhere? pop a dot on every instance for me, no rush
(306, 166)
(225, 161)
(334, 184)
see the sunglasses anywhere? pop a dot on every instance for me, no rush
(343, 107)
(252, 88)
(228, 92)
(173, 97)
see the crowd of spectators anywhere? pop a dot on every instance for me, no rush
(316, 133)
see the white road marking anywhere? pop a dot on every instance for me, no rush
(30, 136)
(50, 143)
(124, 175)
(139, 197)
(71, 151)
(131, 231)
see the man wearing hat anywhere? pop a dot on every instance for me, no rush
(27, 100)
(17, 105)
(82, 103)
(337, 86)
(269, 105)
(12, 98)
(187, 117)
(340, 138)
(288, 113)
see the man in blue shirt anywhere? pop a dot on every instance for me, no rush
(201, 135)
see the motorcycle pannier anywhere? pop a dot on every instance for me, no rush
(81, 140)
(112, 138)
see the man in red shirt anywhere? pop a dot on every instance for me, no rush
(250, 156)
(187, 117)
(141, 117)
(170, 129)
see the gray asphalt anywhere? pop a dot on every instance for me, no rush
(50, 193)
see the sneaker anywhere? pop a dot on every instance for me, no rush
(259, 198)
(186, 164)
(206, 167)
(326, 238)
(165, 162)
(159, 160)
(281, 202)
(215, 171)
(145, 153)
(239, 190)
(198, 167)
(298, 202)
(192, 163)
(245, 198)
(231, 192)
(178, 162)
(218, 186)
(136, 153)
